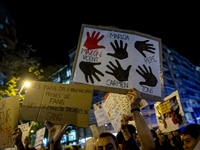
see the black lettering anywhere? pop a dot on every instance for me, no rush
(53, 116)
(56, 101)
(115, 83)
(119, 36)
(2, 104)
(31, 105)
(147, 90)
(66, 96)
(150, 59)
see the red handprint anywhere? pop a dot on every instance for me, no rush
(91, 42)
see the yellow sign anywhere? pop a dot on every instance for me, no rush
(58, 103)
(9, 112)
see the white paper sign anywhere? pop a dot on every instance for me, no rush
(119, 59)
(39, 138)
(100, 113)
(25, 131)
(115, 106)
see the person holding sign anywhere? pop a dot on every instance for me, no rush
(106, 140)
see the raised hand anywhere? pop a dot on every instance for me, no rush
(92, 42)
(120, 52)
(55, 134)
(118, 72)
(149, 77)
(142, 46)
(88, 69)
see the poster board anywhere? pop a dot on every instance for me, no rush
(115, 60)
(9, 112)
(25, 131)
(57, 103)
(169, 114)
(100, 113)
(115, 106)
(39, 137)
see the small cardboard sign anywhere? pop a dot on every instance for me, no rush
(39, 137)
(9, 112)
(169, 114)
(58, 103)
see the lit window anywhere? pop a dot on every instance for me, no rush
(1, 26)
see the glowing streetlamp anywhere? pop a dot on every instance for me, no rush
(26, 84)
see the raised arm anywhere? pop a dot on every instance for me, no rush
(55, 135)
(17, 137)
(147, 142)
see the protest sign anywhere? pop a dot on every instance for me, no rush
(169, 114)
(58, 103)
(9, 112)
(25, 131)
(115, 60)
(100, 113)
(115, 106)
(95, 132)
(39, 138)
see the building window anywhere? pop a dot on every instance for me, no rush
(1, 26)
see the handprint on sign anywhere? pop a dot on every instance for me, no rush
(92, 42)
(149, 77)
(120, 52)
(88, 69)
(118, 72)
(142, 46)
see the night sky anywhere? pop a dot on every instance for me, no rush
(53, 27)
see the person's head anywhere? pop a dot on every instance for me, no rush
(176, 133)
(170, 135)
(106, 141)
(189, 135)
(153, 132)
(138, 139)
(74, 147)
(161, 137)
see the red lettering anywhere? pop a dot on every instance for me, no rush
(6, 136)
(91, 52)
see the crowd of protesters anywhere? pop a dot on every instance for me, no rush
(127, 138)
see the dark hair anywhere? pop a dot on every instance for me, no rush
(154, 133)
(74, 146)
(106, 134)
(193, 130)
(120, 136)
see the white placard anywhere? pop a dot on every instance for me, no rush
(39, 137)
(100, 113)
(119, 59)
(25, 131)
(115, 106)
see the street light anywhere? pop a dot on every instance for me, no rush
(26, 84)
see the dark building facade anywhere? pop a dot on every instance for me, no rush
(7, 28)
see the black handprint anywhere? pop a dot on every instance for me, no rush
(88, 69)
(118, 72)
(149, 77)
(120, 52)
(143, 46)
